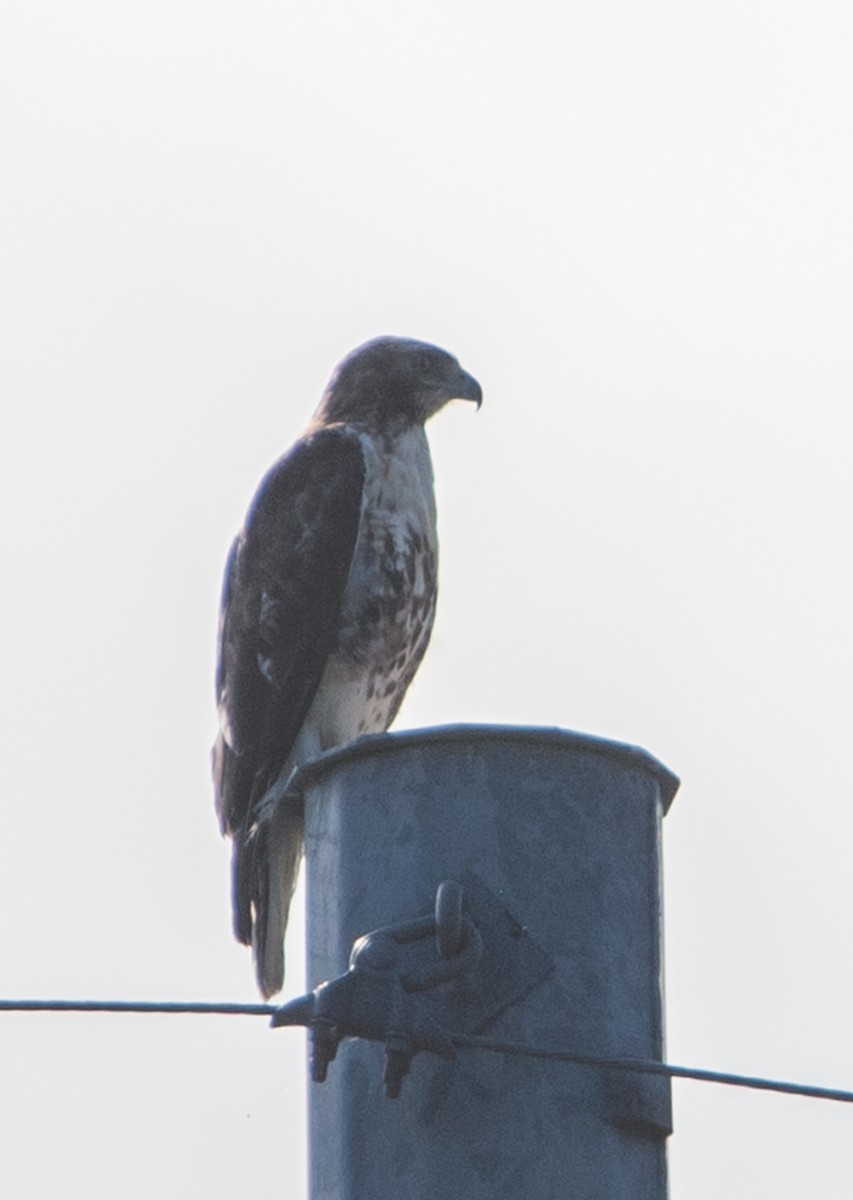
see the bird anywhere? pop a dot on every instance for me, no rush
(327, 607)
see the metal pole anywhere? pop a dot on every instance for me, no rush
(565, 830)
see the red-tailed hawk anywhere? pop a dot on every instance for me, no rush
(327, 609)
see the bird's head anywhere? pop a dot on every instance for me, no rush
(395, 381)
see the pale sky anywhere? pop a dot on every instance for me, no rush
(632, 223)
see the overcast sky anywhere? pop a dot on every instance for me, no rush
(632, 222)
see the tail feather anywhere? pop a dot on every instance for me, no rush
(275, 851)
(241, 889)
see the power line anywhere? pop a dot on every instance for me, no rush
(170, 1007)
(646, 1067)
(462, 1042)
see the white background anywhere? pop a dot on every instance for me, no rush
(632, 222)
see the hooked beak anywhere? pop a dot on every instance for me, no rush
(467, 388)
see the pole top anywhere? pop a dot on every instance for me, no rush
(549, 737)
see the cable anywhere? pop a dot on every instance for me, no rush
(656, 1068)
(461, 1041)
(172, 1007)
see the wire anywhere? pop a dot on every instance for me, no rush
(656, 1068)
(461, 1041)
(172, 1007)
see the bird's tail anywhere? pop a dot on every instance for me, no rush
(266, 867)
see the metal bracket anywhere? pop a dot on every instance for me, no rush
(415, 984)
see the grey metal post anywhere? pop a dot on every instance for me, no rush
(565, 830)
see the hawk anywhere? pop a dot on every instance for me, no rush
(327, 608)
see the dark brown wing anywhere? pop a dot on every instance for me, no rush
(281, 602)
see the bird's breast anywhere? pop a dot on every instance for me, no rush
(389, 601)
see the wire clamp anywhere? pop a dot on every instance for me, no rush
(419, 984)
(383, 995)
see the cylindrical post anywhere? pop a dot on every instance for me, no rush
(565, 830)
